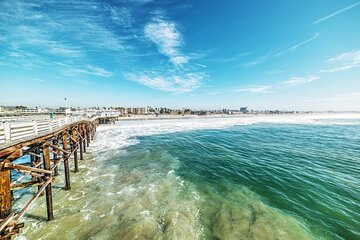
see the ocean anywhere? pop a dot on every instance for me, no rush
(256, 177)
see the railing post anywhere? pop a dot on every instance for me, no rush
(7, 131)
(49, 204)
(35, 127)
(50, 126)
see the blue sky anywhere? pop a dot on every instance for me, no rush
(278, 54)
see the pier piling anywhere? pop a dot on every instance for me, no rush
(66, 161)
(48, 192)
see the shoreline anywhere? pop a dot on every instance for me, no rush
(346, 115)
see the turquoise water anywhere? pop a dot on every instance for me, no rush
(260, 181)
(309, 172)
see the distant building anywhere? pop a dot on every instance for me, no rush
(243, 110)
(141, 111)
(129, 110)
(34, 110)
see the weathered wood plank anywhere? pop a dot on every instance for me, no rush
(5, 192)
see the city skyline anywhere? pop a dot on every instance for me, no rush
(299, 55)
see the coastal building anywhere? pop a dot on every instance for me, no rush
(244, 110)
(137, 111)
(35, 110)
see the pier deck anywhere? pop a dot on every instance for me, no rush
(48, 143)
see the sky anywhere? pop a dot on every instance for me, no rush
(201, 54)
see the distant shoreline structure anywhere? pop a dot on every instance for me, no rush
(143, 112)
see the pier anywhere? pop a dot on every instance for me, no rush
(47, 143)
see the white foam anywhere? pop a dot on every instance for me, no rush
(110, 139)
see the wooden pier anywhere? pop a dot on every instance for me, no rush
(47, 145)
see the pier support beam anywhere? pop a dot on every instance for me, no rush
(84, 137)
(56, 169)
(38, 162)
(87, 135)
(92, 133)
(81, 142)
(48, 192)
(66, 162)
(5, 191)
(74, 146)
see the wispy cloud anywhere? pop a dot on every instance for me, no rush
(121, 16)
(168, 39)
(89, 70)
(296, 46)
(201, 65)
(235, 58)
(336, 98)
(254, 89)
(336, 13)
(37, 80)
(178, 77)
(259, 60)
(264, 58)
(295, 81)
(344, 61)
(215, 92)
(276, 71)
(175, 83)
(54, 33)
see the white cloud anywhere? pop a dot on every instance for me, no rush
(121, 16)
(267, 57)
(57, 32)
(259, 60)
(344, 61)
(234, 58)
(201, 65)
(168, 39)
(295, 81)
(336, 98)
(294, 47)
(336, 13)
(90, 70)
(175, 83)
(254, 89)
(37, 79)
(98, 71)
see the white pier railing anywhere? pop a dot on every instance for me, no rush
(15, 130)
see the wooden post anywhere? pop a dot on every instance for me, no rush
(66, 162)
(87, 135)
(80, 141)
(92, 132)
(37, 161)
(5, 192)
(56, 169)
(74, 148)
(48, 192)
(84, 136)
